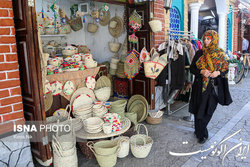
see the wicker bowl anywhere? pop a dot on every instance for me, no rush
(153, 121)
(103, 94)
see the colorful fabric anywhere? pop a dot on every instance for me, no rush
(213, 58)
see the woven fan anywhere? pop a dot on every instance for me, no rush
(132, 65)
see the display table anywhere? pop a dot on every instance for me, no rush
(82, 134)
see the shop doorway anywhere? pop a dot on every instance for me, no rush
(30, 75)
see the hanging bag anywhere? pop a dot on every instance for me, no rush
(153, 68)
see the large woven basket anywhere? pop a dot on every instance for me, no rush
(153, 121)
(152, 69)
(85, 149)
(76, 23)
(141, 144)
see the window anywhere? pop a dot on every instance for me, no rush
(175, 22)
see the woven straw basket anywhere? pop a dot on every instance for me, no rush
(141, 144)
(76, 23)
(156, 25)
(103, 94)
(152, 69)
(153, 121)
(92, 28)
(114, 46)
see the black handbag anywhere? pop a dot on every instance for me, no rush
(222, 91)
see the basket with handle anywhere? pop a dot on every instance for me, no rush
(114, 46)
(106, 157)
(141, 144)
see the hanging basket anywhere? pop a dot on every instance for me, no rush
(92, 28)
(156, 25)
(114, 46)
(152, 69)
(76, 23)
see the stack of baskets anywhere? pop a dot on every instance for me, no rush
(93, 125)
(64, 150)
(84, 112)
(99, 110)
(120, 70)
(113, 65)
(118, 107)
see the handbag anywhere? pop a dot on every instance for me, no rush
(222, 91)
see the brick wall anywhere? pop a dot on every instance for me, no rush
(235, 28)
(11, 107)
(159, 14)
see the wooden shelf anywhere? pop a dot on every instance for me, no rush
(57, 35)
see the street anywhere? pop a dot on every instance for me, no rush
(173, 131)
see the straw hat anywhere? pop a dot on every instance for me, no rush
(117, 31)
(104, 17)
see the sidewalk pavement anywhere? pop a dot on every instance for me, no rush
(173, 131)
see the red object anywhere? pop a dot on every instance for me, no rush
(131, 1)
(121, 87)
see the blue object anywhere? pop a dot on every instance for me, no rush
(229, 29)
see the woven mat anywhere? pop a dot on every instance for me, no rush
(77, 77)
(82, 134)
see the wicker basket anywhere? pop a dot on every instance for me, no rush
(85, 149)
(153, 121)
(114, 46)
(152, 69)
(92, 28)
(141, 144)
(156, 25)
(102, 94)
(76, 23)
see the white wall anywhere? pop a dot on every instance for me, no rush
(97, 42)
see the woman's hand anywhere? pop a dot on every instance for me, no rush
(206, 73)
(215, 74)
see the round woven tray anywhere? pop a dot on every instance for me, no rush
(81, 91)
(82, 134)
(141, 98)
(48, 101)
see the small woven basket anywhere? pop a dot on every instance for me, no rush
(153, 121)
(92, 28)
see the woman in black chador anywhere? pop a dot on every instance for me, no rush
(208, 65)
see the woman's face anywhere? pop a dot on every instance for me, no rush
(207, 40)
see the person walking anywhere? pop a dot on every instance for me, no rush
(208, 64)
(245, 44)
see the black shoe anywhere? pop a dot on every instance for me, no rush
(202, 141)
